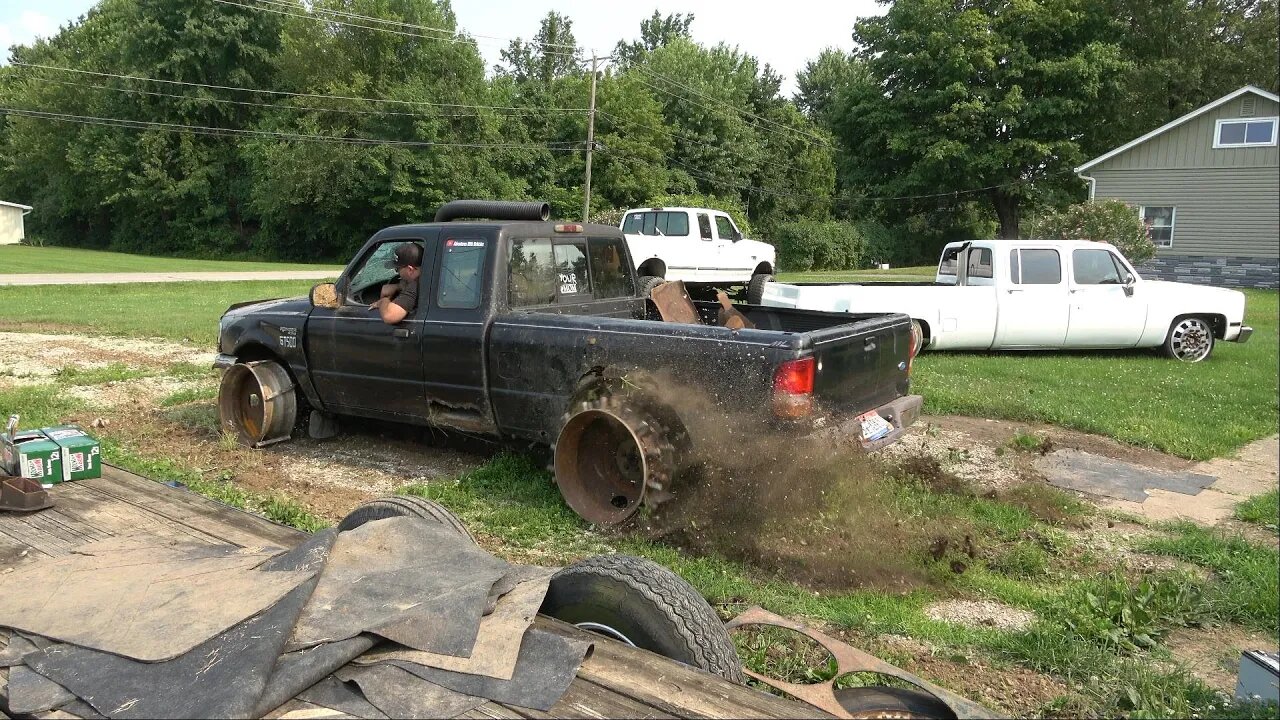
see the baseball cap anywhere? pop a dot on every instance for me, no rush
(407, 255)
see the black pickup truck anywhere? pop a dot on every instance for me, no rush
(533, 331)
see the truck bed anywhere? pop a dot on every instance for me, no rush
(537, 358)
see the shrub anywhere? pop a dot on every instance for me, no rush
(811, 245)
(1105, 221)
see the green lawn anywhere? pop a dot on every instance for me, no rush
(24, 259)
(1197, 411)
(174, 311)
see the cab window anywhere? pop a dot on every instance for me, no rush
(373, 273)
(725, 228)
(571, 268)
(609, 272)
(704, 226)
(1035, 267)
(1095, 267)
(673, 224)
(979, 263)
(532, 273)
(461, 274)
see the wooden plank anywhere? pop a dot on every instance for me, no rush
(492, 711)
(303, 710)
(674, 688)
(187, 508)
(585, 699)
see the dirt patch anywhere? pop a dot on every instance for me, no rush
(1212, 654)
(815, 515)
(984, 465)
(1017, 691)
(981, 614)
(999, 433)
(36, 357)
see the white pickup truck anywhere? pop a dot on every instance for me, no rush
(1031, 294)
(696, 245)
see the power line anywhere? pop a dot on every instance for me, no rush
(248, 103)
(237, 132)
(416, 31)
(424, 28)
(284, 93)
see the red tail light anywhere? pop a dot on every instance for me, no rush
(793, 388)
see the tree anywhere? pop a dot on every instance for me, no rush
(552, 54)
(655, 32)
(1186, 54)
(1110, 221)
(976, 94)
(821, 80)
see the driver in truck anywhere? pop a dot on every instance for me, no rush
(399, 299)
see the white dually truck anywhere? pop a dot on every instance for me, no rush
(697, 245)
(1033, 294)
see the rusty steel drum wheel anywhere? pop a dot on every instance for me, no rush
(608, 456)
(256, 403)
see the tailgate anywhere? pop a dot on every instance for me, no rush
(862, 365)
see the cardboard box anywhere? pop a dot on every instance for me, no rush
(32, 455)
(50, 455)
(81, 455)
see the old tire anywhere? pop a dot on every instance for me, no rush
(646, 283)
(645, 605)
(1190, 339)
(891, 702)
(404, 506)
(257, 403)
(610, 452)
(755, 288)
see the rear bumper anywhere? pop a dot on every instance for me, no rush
(1242, 335)
(900, 413)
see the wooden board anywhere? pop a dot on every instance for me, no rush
(616, 681)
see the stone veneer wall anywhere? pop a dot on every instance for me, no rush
(1223, 271)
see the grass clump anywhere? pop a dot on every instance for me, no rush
(1261, 510)
(114, 372)
(1031, 442)
(274, 507)
(39, 405)
(188, 395)
(1246, 587)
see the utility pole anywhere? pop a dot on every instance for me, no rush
(591, 140)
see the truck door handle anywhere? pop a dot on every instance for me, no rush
(401, 333)
(1013, 290)
(869, 344)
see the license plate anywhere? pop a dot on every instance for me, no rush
(874, 427)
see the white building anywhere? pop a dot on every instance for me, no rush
(11, 222)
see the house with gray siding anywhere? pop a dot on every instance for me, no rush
(1208, 186)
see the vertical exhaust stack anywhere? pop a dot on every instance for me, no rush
(493, 210)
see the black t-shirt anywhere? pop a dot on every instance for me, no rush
(407, 298)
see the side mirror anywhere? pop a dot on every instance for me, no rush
(737, 235)
(325, 295)
(1128, 284)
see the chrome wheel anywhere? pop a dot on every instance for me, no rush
(605, 630)
(1190, 339)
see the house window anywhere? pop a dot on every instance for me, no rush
(1159, 222)
(1245, 133)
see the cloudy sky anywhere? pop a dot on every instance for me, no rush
(785, 35)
